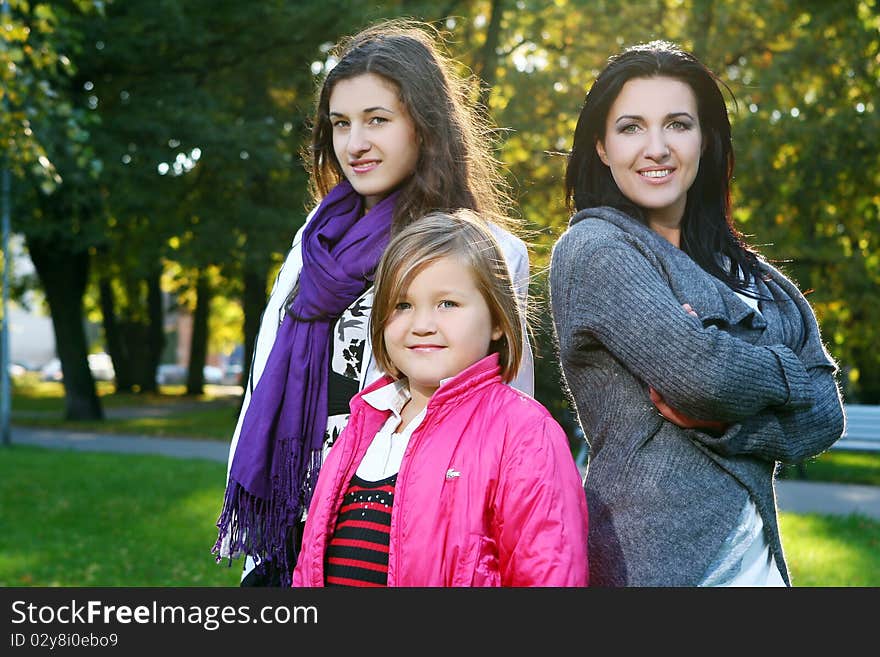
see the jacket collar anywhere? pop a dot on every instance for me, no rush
(710, 297)
(485, 371)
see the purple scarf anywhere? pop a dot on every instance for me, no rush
(276, 463)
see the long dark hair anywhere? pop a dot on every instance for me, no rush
(456, 168)
(707, 228)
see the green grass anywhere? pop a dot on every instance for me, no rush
(831, 550)
(84, 519)
(89, 519)
(208, 423)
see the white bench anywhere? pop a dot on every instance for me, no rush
(862, 429)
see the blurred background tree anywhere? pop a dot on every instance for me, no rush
(151, 137)
(45, 134)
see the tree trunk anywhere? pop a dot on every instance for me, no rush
(195, 378)
(135, 338)
(488, 61)
(868, 387)
(703, 16)
(254, 303)
(134, 345)
(155, 338)
(64, 276)
(116, 346)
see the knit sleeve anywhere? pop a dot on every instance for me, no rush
(607, 292)
(786, 435)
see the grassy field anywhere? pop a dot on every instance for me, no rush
(89, 519)
(831, 550)
(81, 519)
(843, 467)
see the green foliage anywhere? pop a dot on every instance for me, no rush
(808, 169)
(35, 45)
(44, 133)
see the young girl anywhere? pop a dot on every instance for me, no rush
(445, 476)
(393, 138)
(695, 365)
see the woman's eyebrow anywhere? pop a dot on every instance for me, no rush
(366, 110)
(637, 117)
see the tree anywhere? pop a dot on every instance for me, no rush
(809, 163)
(46, 142)
(215, 123)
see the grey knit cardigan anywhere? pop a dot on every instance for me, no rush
(662, 499)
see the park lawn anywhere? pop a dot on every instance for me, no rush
(200, 423)
(30, 394)
(831, 550)
(90, 519)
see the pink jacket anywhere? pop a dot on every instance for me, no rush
(488, 493)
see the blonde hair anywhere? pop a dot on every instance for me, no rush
(464, 235)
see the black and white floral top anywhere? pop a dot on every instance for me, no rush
(349, 337)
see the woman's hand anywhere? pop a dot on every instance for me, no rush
(677, 417)
(682, 420)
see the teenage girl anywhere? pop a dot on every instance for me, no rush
(394, 137)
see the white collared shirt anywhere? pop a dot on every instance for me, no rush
(385, 453)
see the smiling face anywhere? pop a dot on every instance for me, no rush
(374, 137)
(440, 325)
(652, 145)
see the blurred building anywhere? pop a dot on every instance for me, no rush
(31, 337)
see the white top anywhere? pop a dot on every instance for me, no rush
(385, 453)
(745, 559)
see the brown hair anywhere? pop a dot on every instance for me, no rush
(463, 235)
(456, 168)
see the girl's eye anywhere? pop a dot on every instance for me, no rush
(679, 125)
(402, 305)
(629, 129)
(378, 120)
(448, 304)
(340, 124)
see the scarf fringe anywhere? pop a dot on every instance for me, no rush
(264, 528)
